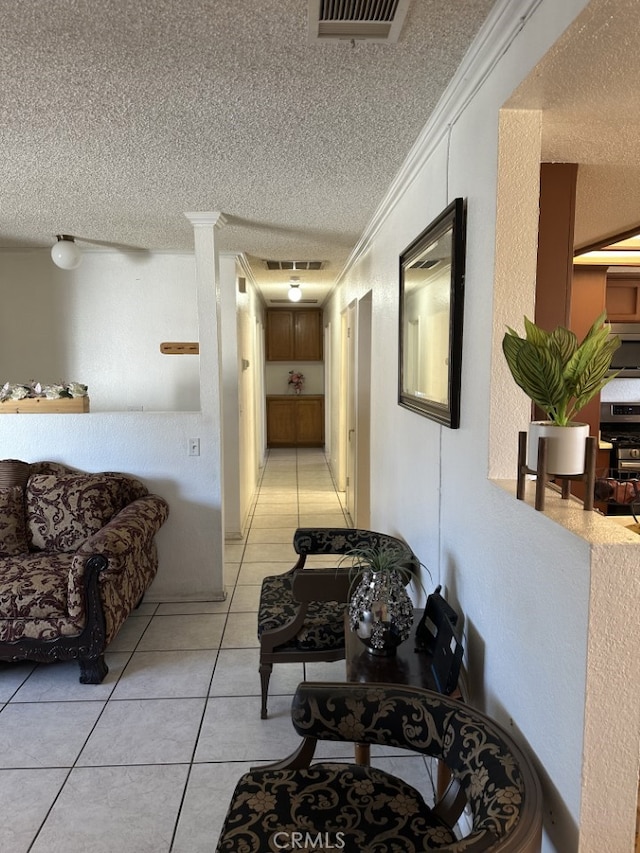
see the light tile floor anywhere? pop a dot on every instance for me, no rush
(147, 760)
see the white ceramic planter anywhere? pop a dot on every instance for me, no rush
(565, 448)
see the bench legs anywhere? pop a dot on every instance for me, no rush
(265, 675)
(93, 670)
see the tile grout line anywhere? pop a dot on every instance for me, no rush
(309, 476)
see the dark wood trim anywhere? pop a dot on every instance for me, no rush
(555, 244)
(606, 241)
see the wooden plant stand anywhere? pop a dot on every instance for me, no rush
(542, 475)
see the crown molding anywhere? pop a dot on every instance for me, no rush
(505, 21)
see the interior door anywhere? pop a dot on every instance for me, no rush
(363, 413)
(351, 438)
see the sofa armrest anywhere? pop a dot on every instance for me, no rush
(128, 533)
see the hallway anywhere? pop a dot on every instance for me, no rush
(146, 761)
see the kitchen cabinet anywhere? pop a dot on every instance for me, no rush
(294, 334)
(623, 298)
(295, 420)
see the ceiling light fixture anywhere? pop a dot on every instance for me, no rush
(65, 253)
(295, 294)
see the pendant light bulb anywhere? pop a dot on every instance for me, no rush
(295, 294)
(65, 253)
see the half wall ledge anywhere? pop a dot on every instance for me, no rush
(593, 527)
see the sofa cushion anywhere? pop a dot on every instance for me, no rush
(34, 600)
(65, 509)
(349, 806)
(323, 628)
(13, 530)
(34, 587)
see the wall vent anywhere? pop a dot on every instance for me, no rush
(291, 304)
(368, 20)
(294, 265)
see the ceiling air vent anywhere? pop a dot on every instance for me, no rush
(294, 265)
(368, 20)
(288, 302)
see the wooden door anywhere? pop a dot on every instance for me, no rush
(281, 422)
(307, 335)
(309, 421)
(280, 335)
(351, 423)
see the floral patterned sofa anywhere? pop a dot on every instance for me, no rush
(77, 553)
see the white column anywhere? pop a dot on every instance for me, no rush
(233, 516)
(208, 296)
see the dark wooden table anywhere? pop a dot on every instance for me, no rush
(407, 666)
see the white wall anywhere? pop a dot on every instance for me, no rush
(528, 583)
(102, 324)
(277, 376)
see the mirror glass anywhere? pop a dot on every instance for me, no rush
(431, 288)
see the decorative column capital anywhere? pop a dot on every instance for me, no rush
(211, 217)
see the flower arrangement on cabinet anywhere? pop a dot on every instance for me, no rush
(296, 380)
(30, 390)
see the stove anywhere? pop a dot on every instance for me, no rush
(619, 485)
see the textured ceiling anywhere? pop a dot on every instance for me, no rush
(588, 88)
(117, 117)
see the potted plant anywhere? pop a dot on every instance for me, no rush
(380, 609)
(560, 376)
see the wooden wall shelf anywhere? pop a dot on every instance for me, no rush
(40, 405)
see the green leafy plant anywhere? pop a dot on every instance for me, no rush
(559, 374)
(383, 559)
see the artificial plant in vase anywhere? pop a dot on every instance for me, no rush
(560, 375)
(380, 609)
(296, 381)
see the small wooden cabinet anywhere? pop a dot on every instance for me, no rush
(623, 298)
(294, 334)
(295, 421)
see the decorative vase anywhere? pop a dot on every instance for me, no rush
(565, 447)
(381, 612)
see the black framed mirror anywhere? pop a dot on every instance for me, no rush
(431, 314)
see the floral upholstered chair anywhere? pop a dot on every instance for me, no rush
(301, 612)
(359, 808)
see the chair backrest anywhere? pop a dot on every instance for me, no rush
(343, 540)
(498, 780)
